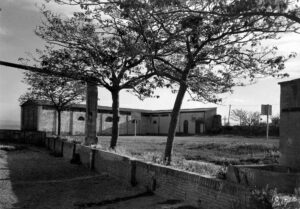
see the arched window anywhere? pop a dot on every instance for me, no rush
(81, 118)
(108, 119)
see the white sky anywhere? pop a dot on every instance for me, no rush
(18, 20)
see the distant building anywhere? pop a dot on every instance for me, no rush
(41, 116)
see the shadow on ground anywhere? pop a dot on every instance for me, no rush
(31, 178)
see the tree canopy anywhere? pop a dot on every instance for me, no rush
(202, 47)
(102, 48)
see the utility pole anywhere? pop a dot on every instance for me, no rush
(268, 113)
(224, 120)
(229, 114)
(266, 110)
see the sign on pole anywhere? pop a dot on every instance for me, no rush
(266, 110)
(136, 116)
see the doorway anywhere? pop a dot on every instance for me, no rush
(186, 127)
(199, 127)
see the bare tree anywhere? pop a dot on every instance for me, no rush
(239, 115)
(244, 117)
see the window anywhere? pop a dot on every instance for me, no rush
(154, 122)
(109, 119)
(81, 118)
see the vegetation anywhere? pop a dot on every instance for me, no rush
(269, 199)
(205, 155)
(102, 47)
(245, 118)
(203, 47)
(205, 54)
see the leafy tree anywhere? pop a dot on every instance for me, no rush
(245, 118)
(103, 48)
(61, 92)
(206, 54)
(264, 8)
(200, 47)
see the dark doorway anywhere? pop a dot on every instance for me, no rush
(199, 127)
(185, 127)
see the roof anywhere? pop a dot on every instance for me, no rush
(83, 106)
(290, 81)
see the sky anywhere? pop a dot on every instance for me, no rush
(18, 20)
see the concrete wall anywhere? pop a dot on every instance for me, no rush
(48, 121)
(290, 124)
(27, 137)
(29, 118)
(44, 118)
(191, 118)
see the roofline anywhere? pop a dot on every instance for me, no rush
(100, 107)
(290, 81)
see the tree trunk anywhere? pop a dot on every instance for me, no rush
(115, 122)
(173, 123)
(58, 122)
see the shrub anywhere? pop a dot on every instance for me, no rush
(270, 199)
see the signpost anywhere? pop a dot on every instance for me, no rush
(135, 116)
(266, 110)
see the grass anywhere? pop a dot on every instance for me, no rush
(203, 154)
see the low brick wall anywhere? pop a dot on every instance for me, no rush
(198, 190)
(68, 150)
(113, 164)
(84, 153)
(28, 137)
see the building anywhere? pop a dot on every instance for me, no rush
(41, 116)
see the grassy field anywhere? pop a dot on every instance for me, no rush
(197, 152)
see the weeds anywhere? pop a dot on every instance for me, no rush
(270, 199)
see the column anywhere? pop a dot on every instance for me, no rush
(91, 114)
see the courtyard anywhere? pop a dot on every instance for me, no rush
(31, 178)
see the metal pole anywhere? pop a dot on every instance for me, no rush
(229, 114)
(135, 121)
(268, 109)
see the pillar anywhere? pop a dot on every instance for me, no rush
(290, 124)
(71, 122)
(39, 118)
(91, 114)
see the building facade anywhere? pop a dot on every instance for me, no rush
(42, 116)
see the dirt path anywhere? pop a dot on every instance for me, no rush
(31, 178)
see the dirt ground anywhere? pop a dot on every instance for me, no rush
(31, 178)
